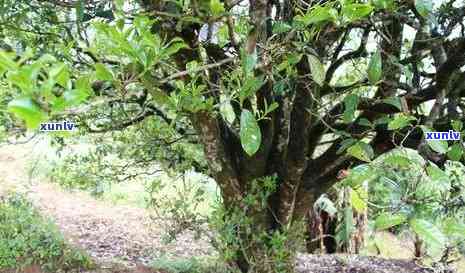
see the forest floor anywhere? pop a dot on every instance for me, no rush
(111, 234)
(124, 239)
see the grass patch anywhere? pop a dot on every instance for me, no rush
(188, 265)
(27, 238)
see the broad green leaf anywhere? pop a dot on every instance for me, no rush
(217, 7)
(424, 7)
(346, 143)
(355, 12)
(387, 220)
(251, 85)
(375, 68)
(80, 93)
(28, 110)
(174, 46)
(23, 79)
(249, 61)
(430, 234)
(250, 133)
(60, 74)
(317, 69)
(365, 122)
(357, 199)
(455, 152)
(102, 72)
(226, 109)
(400, 121)
(6, 62)
(439, 146)
(394, 101)
(192, 67)
(437, 175)
(350, 106)
(320, 14)
(454, 228)
(398, 160)
(359, 175)
(361, 151)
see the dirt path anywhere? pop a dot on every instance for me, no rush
(109, 233)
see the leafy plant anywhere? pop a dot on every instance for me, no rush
(27, 238)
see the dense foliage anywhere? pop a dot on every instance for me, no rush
(26, 238)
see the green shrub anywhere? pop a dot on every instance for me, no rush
(26, 238)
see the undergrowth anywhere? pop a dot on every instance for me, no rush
(27, 238)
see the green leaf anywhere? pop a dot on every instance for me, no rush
(249, 61)
(375, 68)
(354, 12)
(457, 125)
(174, 46)
(6, 62)
(430, 234)
(23, 78)
(361, 151)
(394, 101)
(400, 121)
(346, 143)
(226, 109)
(28, 110)
(281, 27)
(346, 227)
(365, 122)
(192, 68)
(455, 152)
(216, 7)
(80, 8)
(454, 228)
(250, 133)
(350, 106)
(317, 69)
(102, 72)
(60, 74)
(436, 174)
(251, 85)
(320, 14)
(357, 199)
(398, 160)
(424, 7)
(387, 220)
(384, 4)
(80, 93)
(439, 146)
